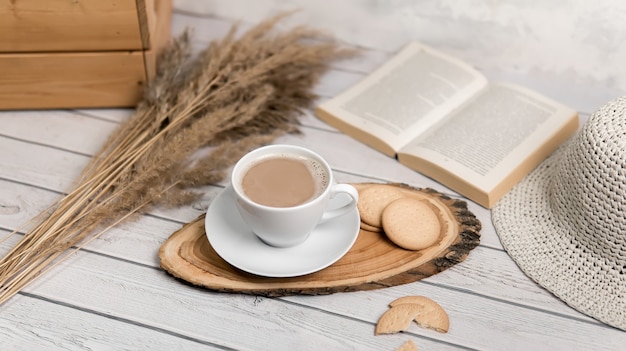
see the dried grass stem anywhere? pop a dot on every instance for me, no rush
(237, 94)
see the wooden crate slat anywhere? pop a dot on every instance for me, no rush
(159, 20)
(71, 80)
(37, 73)
(64, 25)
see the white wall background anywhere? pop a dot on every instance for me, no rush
(578, 46)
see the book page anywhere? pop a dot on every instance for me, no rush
(486, 139)
(406, 95)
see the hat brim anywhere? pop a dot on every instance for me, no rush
(546, 249)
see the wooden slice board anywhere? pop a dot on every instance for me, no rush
(373, 261)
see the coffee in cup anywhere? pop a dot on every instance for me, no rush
(284, 180)
(282, 192)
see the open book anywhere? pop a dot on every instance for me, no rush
(442, 118)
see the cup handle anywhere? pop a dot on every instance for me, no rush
(342, 188)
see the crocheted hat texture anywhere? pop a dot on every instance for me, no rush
(565, 223)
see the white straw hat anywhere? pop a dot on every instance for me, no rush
(565, 223)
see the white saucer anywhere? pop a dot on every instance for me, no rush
(237, 245)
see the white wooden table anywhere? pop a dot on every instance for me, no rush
(112, 295)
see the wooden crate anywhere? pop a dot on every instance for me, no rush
(79, 53)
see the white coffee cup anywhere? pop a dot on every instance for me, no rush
(289, 226)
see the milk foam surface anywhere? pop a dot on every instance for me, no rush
(284, 180)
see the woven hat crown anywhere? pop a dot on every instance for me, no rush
(588, 189)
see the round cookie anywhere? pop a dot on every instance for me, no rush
(370, 228)
(411, 223)
(373, 200)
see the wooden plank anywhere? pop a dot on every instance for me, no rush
(35, 127)
(64, 80)
(62, 25)
(486, 272)
(491, 275)
(143, 9)
(148, 297)
(24, 319)
(239, 320)
(366, 301)
(115, 115)
(338, 149)
(159, 19)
